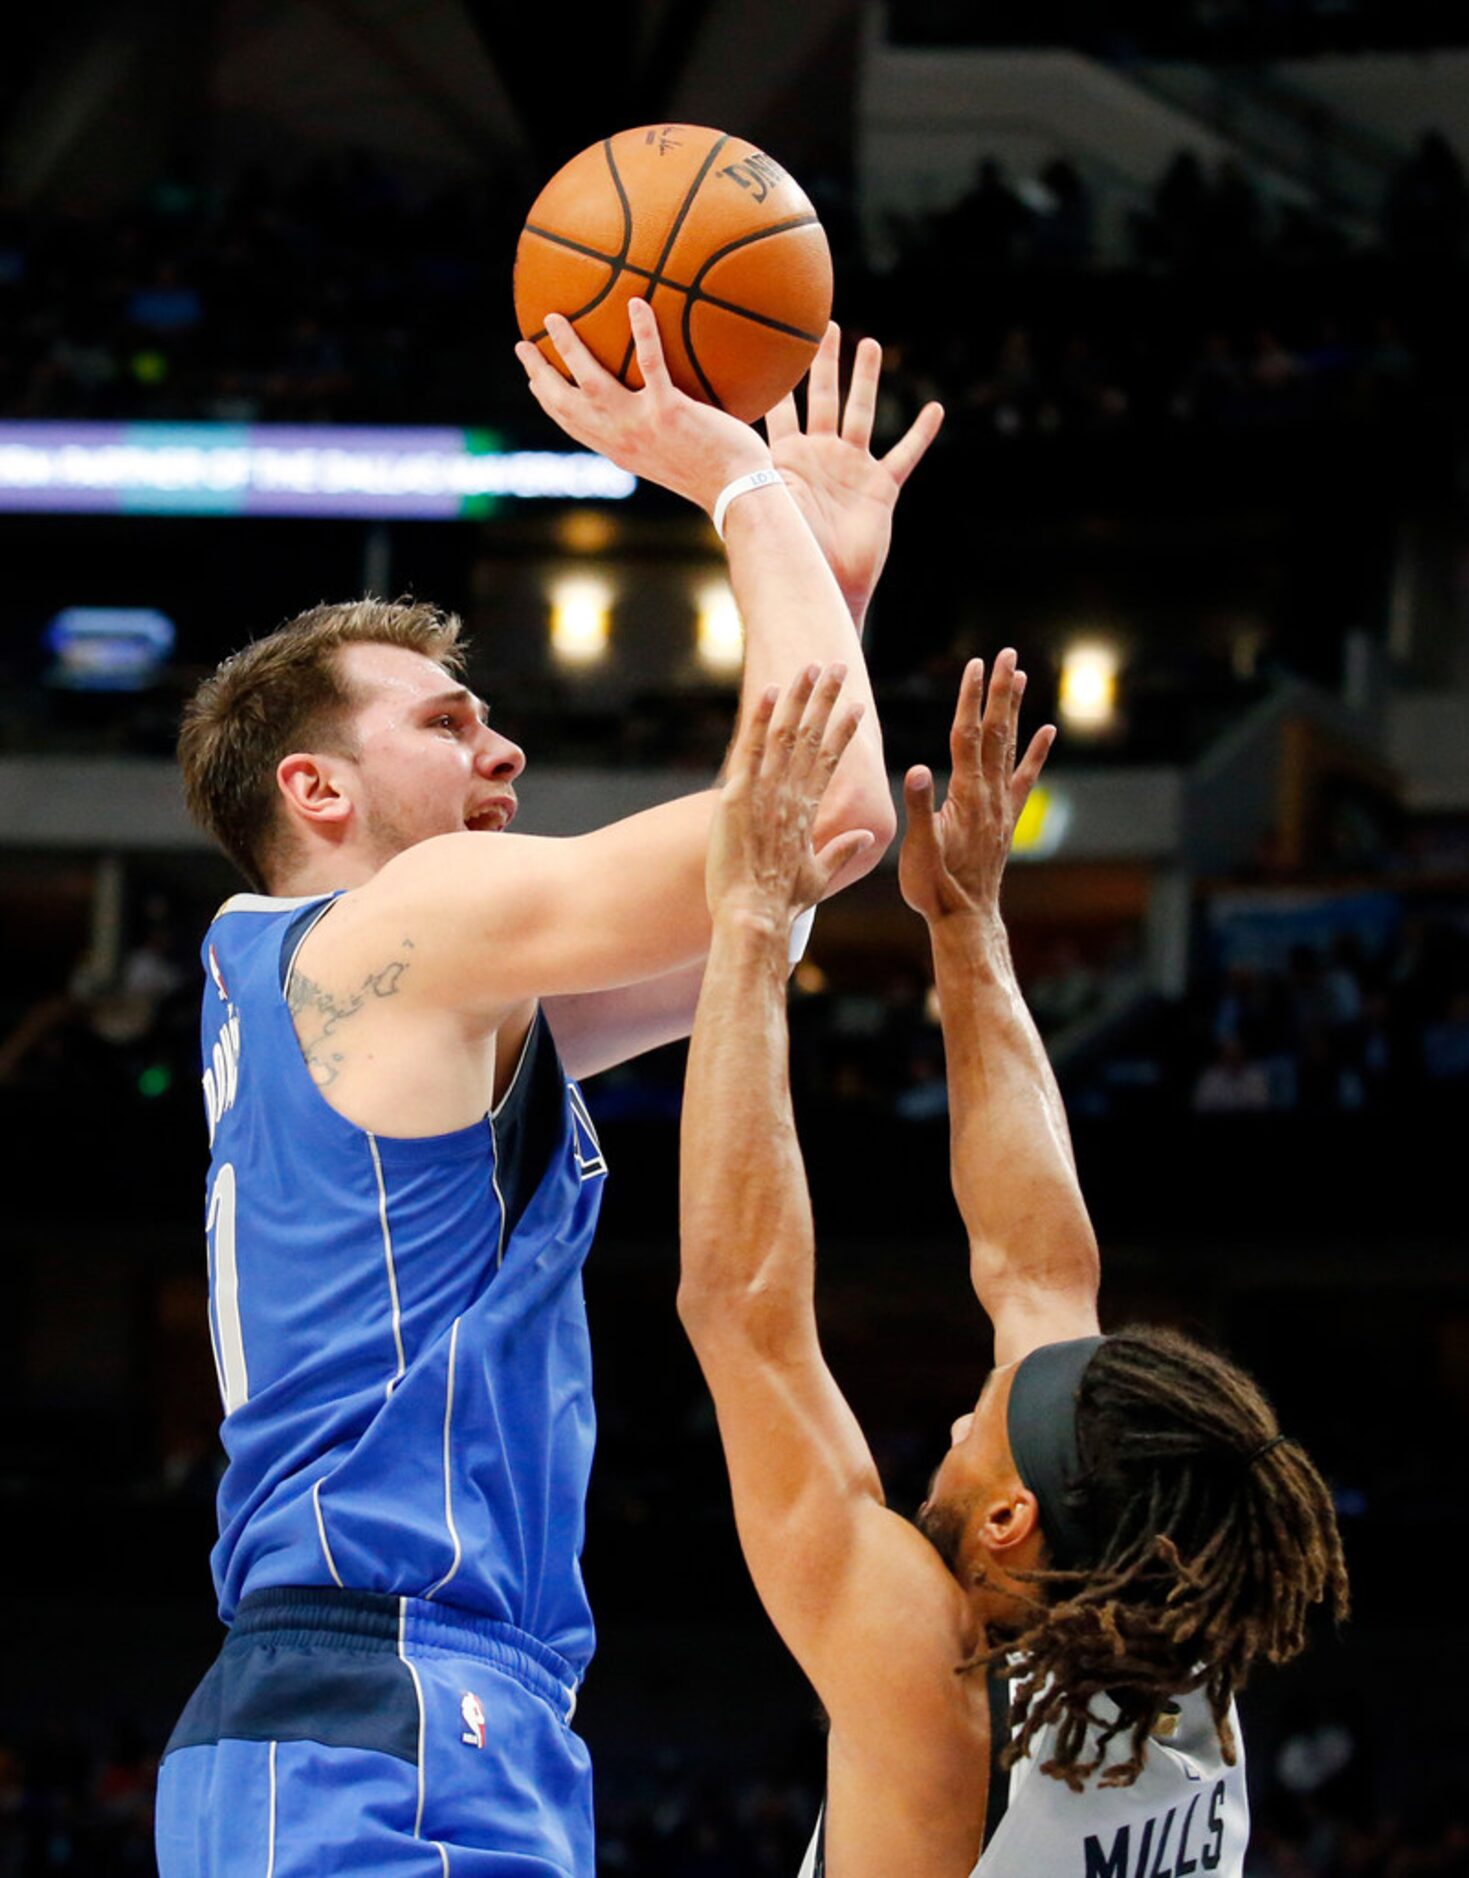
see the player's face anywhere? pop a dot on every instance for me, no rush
(427, 762)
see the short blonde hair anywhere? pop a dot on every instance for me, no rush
(283, 693)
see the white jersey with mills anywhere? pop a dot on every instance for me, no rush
(1186, 1816)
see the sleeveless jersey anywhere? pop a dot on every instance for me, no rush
(1186, 1814)
(398, 1323)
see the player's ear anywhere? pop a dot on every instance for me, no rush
(313, 787)
(1009, 1520)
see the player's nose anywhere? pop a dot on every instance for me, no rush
(499, 758)
(961, 1428)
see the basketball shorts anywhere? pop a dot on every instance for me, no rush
(346, 1731)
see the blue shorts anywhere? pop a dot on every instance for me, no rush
(346, 1731)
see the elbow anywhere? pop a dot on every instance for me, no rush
(865, 805)
(753, 1318)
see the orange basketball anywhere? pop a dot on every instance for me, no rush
(711, 232)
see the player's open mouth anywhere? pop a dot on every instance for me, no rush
(492, 816)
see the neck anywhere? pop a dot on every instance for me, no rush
(322, 873)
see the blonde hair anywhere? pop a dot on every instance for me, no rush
(283, 693)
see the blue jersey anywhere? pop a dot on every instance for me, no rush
(398, 1323)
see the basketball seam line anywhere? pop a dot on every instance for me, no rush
(617, 262)
(656, 279)
(695, 292)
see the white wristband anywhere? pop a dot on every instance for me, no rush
(741, 486)
(801, 934)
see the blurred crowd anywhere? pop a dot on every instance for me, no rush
(339, 295)
(1236, 312)
(1223, 30)
(1339, 1029)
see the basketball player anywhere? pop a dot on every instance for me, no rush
(405, 1178)
(1119, 1522)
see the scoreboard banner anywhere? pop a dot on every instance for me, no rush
(370, 473)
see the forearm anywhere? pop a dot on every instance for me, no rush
(1013, 1171)
(794, 615)
(745, 1215)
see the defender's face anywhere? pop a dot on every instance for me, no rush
(977, 1471)
(427, 762)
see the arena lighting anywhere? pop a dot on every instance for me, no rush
(108, 648)
(721, 636)
(1088, 696)
(581, 618)
(362, 472)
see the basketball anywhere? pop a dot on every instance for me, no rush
(711, 232)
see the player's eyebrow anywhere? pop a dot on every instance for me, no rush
(461, 697)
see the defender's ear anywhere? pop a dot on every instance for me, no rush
(314, 788)
(1009, 1520)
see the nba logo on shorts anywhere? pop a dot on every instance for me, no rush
(472, 1709)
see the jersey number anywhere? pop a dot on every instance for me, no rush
(229, 1342)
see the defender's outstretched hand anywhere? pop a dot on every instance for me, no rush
(846, 494)
(761, 860)
(659, 433)
(952, 859)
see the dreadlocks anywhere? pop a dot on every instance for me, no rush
(1214, 1555)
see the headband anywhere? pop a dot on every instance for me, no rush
(1041, 1424)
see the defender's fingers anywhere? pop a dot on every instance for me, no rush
(749, 746)
(968, 712)
(785, 727)
(782, 420)
(918, 810)
(577, 356)
(908, 452)
(833, 746)
(815, 720)
(1034, 761)
(831, 859)
(862, 395)
(648, 342)
(1012, 729)
(997, 705)
(822, 391)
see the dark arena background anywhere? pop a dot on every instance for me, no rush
(1191, 282)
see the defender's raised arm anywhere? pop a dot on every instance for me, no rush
(1033, 1255)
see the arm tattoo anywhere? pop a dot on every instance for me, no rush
(319, 1014)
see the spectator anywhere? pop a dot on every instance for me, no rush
(1232, 1084)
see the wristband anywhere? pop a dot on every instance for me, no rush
(741, 486)
(801, 934)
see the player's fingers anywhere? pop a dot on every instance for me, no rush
(862, 395)
(649, 345)
(785, 727)
(576, 356)
(908, 452)
(1034, 761)
(782, 420)
(968, 715)
(822, 400)
(540, 372)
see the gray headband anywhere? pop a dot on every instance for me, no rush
(1041, 1424)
